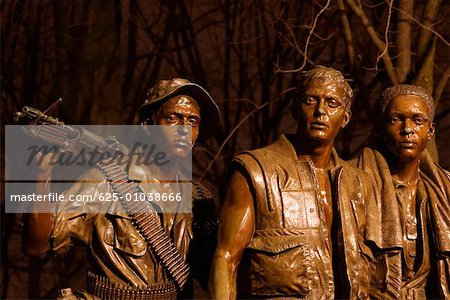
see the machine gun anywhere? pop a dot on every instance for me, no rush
(66, 138)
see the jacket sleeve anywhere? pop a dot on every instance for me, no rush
(73, 219)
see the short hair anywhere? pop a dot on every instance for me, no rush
(407, 90)
(326, 75)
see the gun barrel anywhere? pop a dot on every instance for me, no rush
(36, 115)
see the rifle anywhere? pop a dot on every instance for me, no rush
(67, 138)
(75, 138)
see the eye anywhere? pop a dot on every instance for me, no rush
(194, 122)
(394, 120)
(310, 100)
(420, 120)
(333, 103)
(171, 118)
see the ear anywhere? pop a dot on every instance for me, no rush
(347, 116)
(431, 130)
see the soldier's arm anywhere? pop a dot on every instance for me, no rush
(45, 230)
(237, 225)
(37, 227)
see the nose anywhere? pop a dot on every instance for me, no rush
(183, 129)
(408, 127)
(320, 107)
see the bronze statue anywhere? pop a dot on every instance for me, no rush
(122, 262)
(294, 220)
(414, 259)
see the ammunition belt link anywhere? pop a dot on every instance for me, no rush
(103, 288)
(148, 224)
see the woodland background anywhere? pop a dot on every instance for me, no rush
(101, 56)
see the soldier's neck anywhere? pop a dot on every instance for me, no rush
(406, 171)
(319, 154)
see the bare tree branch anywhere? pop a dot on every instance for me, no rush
(403, 41)
(441, 85)
(425, 27)
(382, 47)
(431, 12)
(307, 43)
(347, 33)
(386, 34)
(230, 135)
(424, 75)
(313, 27)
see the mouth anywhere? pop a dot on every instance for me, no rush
(408, 144)
(182, 143)
(319, 125)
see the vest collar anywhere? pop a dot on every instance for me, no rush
(285, 147)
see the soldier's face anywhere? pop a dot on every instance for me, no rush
(181, 115)
(322, 112)
(407, 126)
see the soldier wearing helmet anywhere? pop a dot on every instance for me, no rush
(121, 262)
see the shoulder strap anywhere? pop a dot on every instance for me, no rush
(147, 224)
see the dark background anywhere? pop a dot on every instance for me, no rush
(101, 56)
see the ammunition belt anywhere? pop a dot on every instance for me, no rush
(103, 288)
(147, 224)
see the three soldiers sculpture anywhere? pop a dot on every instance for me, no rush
(297, 221)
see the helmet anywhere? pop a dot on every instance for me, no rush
(166, 89)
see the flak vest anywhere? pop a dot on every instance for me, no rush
(290, 253)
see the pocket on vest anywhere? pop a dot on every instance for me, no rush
(280, 265)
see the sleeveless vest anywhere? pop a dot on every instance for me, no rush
(290, 253)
